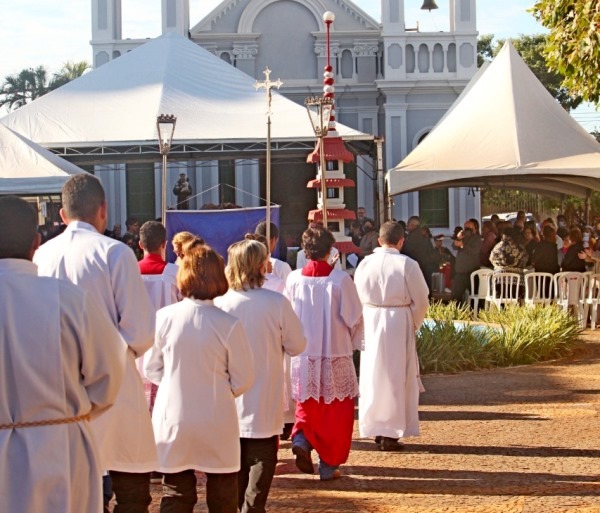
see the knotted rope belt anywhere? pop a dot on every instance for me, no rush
(37, 423)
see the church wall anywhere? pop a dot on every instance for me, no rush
(399, 94)
(286, 25)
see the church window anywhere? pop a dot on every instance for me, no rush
(433, 207)
(347, 64)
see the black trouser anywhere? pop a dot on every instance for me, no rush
(259, 458)
(460, 283)
(180, 494)
(132, 491)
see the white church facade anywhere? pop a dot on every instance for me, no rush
(391, 80)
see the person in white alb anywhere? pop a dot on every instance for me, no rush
(57, 372)
(270, 281)
(107, 269)
(202, 361)
(273, 330)
(277, 284)
(279, 268)
(324, 380)
(394, 297)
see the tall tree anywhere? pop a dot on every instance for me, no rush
(70, 71)
(31, 83)
(531, 50)
(485, 49)
(573, 44)
(23, 87)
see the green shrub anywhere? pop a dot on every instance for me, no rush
(515, 335)
(444, 347)
(530, 335)
(451, 311)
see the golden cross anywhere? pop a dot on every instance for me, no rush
(268, 85)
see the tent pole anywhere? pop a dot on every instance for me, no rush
(588, 195)
(380, 181)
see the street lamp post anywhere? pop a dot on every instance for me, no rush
(319, 111)
(165, 126)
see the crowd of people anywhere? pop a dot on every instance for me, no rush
(239, 346)
(504, 246)
(244, 352)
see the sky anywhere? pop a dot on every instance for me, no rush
(42, 32)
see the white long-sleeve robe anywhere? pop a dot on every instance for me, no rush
(394, 296)
(108, 270)
(273, 330)
(202, 360)
(280, 268)
(330, 312)
(56, 364)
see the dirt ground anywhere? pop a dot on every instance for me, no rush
(523, 439)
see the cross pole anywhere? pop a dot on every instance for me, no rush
(267, 84)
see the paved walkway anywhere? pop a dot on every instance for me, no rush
(524, 439)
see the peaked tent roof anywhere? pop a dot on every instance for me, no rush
(506, 131)
(118, 103)
(27, 168)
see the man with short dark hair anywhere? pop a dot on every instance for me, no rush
(58, 371)
(183, 191)
(108, 270)
(153, 241)
(361, 215)
(468, 259)
(419, 248)
(394, 297)
(281, 269)
(133, 232)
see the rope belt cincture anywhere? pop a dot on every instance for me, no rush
(37, 423)
(373, 305)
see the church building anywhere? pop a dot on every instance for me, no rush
(391, 80)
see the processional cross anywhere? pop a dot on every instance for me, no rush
(267, 84)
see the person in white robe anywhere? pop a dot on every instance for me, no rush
(324, 380)
(278, 268)
(273, 330)
(202, 361)
(273, 282)
(334, 259)
(394, 297)
(108, 270)
(60, 366)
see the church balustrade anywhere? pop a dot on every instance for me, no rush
(444, 54)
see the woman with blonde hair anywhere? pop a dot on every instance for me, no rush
(182, 241)
(202, 361)
(273, 331)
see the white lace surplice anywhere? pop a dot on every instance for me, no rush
(331, 314)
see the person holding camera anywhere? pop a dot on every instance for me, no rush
(183, 191)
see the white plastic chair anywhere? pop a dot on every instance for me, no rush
(569, 290)
(539, 288)
(504, 289)
(479, 291)
(591, 300)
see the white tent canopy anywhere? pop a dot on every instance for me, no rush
(506, 131)
(27, 168)
(118, 103)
